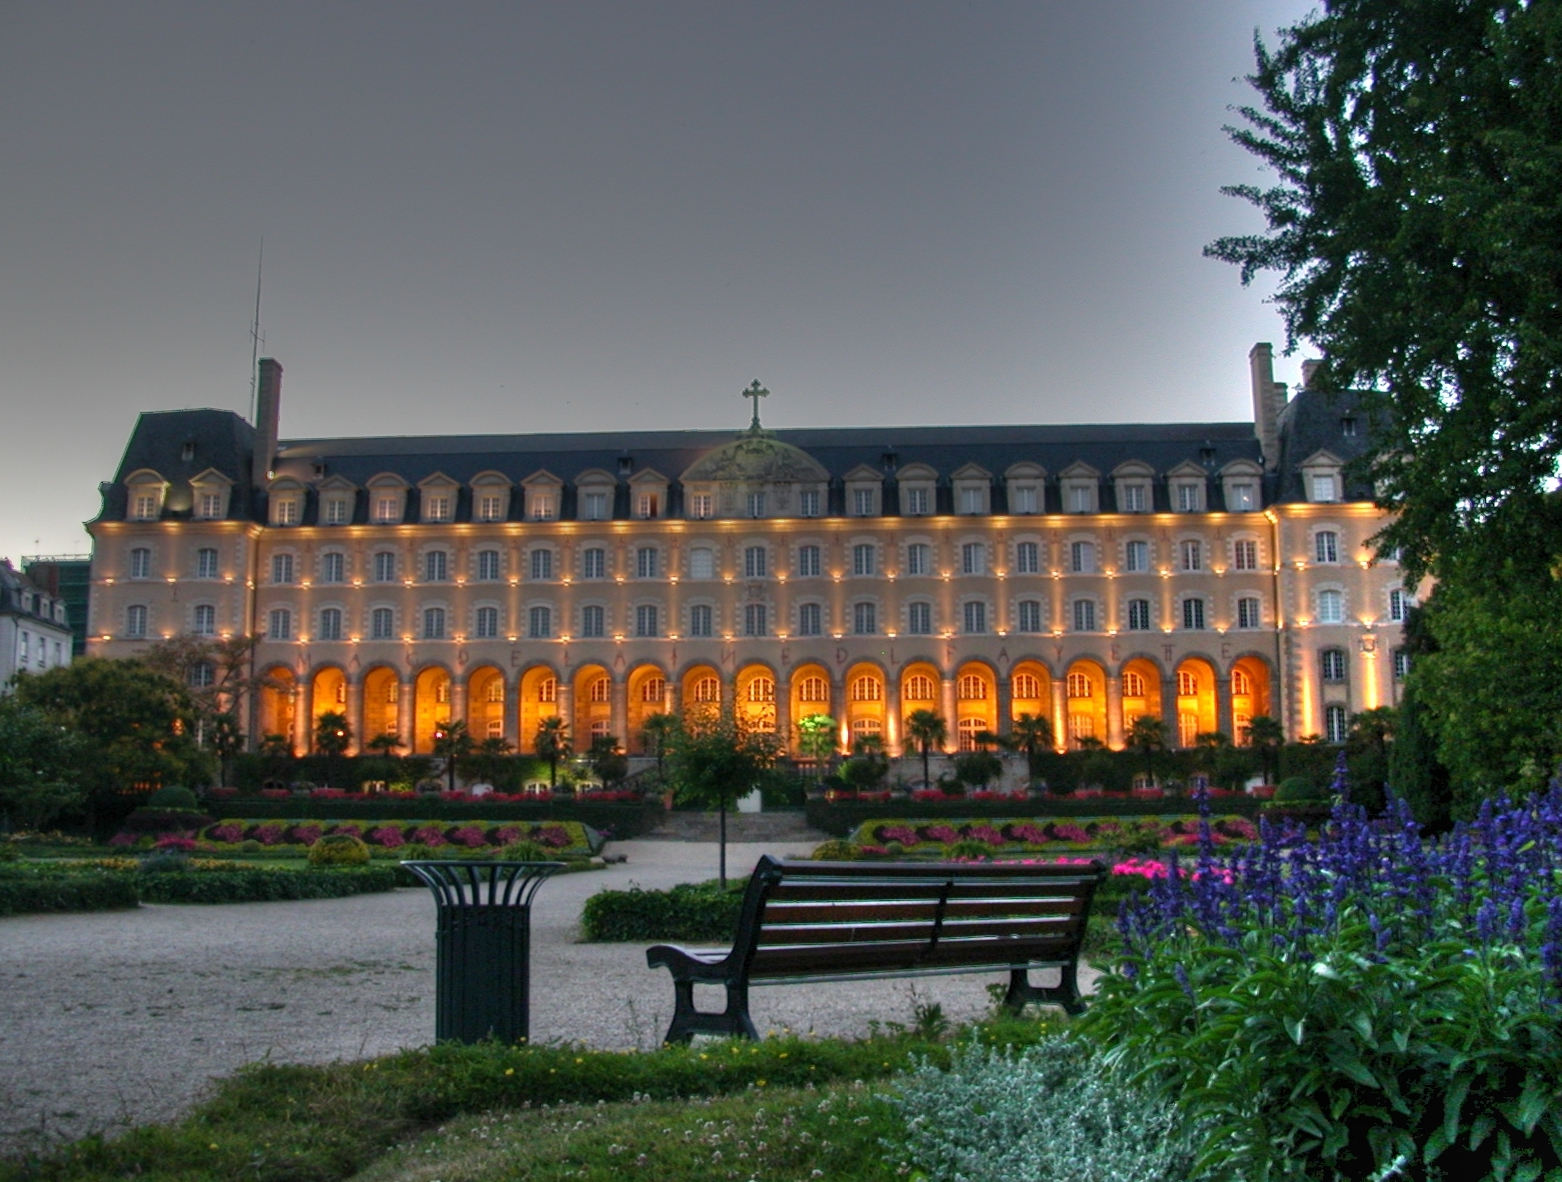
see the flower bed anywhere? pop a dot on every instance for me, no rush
(1039, 834)
(616, 819)
(564, 838)
(841, 818)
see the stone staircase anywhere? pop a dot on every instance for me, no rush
(788, 827)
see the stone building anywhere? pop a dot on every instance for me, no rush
(1203, 573)
(35, 631)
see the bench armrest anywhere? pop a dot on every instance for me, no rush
(690, 964)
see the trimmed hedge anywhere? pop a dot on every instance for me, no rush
(261, 885)
(32, 894)
(616, 821)
(689, 911)
(842, 818)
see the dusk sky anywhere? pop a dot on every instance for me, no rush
(587, 216)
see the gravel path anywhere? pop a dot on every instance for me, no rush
(120, 1018)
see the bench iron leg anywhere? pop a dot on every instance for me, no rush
(1065, 993)
(688, 1021)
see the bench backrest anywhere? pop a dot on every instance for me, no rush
(804, 919)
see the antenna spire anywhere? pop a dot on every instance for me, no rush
(256, 338)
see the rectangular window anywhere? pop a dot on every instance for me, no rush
(1024, 500)
(433, 623)
(211, 505)
(145, 508)
(971, 500)
(1192, 555)
(140, 563)
(1084, 615)
(809, 620)
(754, 562)
(1401, 664)
(700, 505)
(916, 502)
(702, 563)
(1331, 607)
(385, 567)
(647, 505)
(206, 564)
(1081, 499)
(436, 566)
(487, 623)
(1134, 500)
(754, 622)
(645, 562)
(862, 502)
(973, 558)
(593, 563)
(26, 650)
(919, 619)
(1249, 613)
(807, 562)
(542, 507)
(1082, 557)
(1336, 724)
(387, 510)
(539, 623)
(1243, 498)
(281, 624)
(542, 564)
(205, 620)
(756, 504)
(1030, 615)
(862, 559)
(281, 568)
(489, 508)
(287, 511)
(975, 618)
(135, 621)
(919, 558)
(1027, 558)
(865, 619)
(1332, 662)
(1136, 556)
(1245, 555)
(331, 624)
(1189, 498)
(808, 503)
(1326, 546)
(596, 506)
(1398, 605)
(1324, 488)
(439, 508)
(700, 620)
(592, 621)
(382, 623)
(1138, 615)
(645, 620)
(487, 565)
(1193, 614)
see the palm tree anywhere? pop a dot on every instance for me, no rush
(927, 729)
(1030, 735)
(553, 745)
(816, 739)
(1147, 735)
(332, 738)
(1266, 735)
(657, 729)
(452, 743)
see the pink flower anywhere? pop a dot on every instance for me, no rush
(388, 836)
(349, 828)
(270, 834)
(122, 839)
(470, 836)
(231, 832)
(508, 835)
(429, 835)
(1070, 833)
(555, 835)
(943, 833)
(308, 834)
(1028, 833)
(984, 833)
(174, 841)
(901, 833)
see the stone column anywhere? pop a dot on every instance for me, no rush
(458, 704)
(894, 739)
(951, 711)
(565, 695)
(512, 713)
(838, 694)
(406, 713)
(303, 714)
(619, 720)
(1169, 710)
(1005, 688)
(1060, 714)
(354, 711)
(1223, 716)
(1114, 712)
(783, 705)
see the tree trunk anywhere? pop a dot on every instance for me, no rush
(723, 871)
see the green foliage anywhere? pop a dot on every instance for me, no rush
(40, 765)
(836, 851)
(928, 730)
(1053, 1112)
(967, 849)
(607, 760)
(174, 796)
(32, 894)
(1297, 788)
(339, 849)
(977, 769)
(687, 912)
(172, 878)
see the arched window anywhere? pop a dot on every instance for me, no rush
(1187, 684)
(761, 689)
(973, 688)
(707, 689)
(653, 689)
(1133, 684)
(1241, 683)
(867, 688)
(601, 689)
(862, 727)
(814, 689)
(548, 690)
(1080, 686)
(919, 688)
(1026, 686)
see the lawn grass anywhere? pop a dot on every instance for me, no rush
(298, 1123)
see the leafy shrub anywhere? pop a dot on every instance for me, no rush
(166, 861)
(172, 797)
(10, 851)
(1054, 1112)
(339, 849)
(1297, 789)
(836, 851)
(688, 912)
(966, 848)
(35, 894)
(165, 820)
(1336, 1006)
(256, 885)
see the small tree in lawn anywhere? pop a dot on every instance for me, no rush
(1147, 735)
(332, 738)
(654, 733)
(1031, 735)
(40, 765)
(927, 729)
(607, 760)
(816, 739)
(488, 761)
(1267, 736)
(715, 761)
(452, 743)
(867, 767)
(552, 744)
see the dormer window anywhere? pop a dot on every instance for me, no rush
(756, 504)
(1242, 497)
(1324, 487)
(187, 452)
(387, 510)
(862, 502)
(1081, 499)
(1348, 425)
(338, 511)
(595, 508)
(647, 505)
(209, 506)
(918, 503)
(1135, 498)
(144, 506)
(701, 506)
(438, 509)
(285, 511)
(971, 500)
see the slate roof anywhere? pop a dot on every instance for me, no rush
(1314, 422)
(222, 439)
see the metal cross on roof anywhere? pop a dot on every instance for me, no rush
(756, 392)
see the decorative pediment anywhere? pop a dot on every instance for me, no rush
(1187, 470)
(971, 472)
(285, 484)
(756, 457)
(647, 476)
(211, 478)
(917, 471)
(593, 478)
(144, 476)
(1241, 468)
(1132, 468)
(1025, 470)
(862, 473)
(337, 484)
(1323, 459)
(542, 479)
(490, 479)
(438, 482)
(1079, 470)
(386, 482)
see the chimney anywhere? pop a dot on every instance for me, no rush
(1310, 367)
(1268, 402)
(268, 407)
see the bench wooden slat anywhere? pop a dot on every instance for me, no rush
(824, 892)
(784, 913)
(867, 933)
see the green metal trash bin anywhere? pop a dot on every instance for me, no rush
(482, 978)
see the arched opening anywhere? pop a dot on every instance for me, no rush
(702, 690)
(381, 705)
(810, 695)
(328, 695)
(485, 703)
(1196, 714)
(593, 706)
(431, 706)
(1249, 696)
(864, 702)
(1085, 688)
(539, 700)
(756, 694)
(1030, 692)
(1141, 691)
(976, 703)
(648, 696)
(278, 701)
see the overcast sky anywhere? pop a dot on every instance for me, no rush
(512, 217)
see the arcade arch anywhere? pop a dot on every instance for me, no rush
(1196, 707)
(1249, 696)
(381, 705)
(485, 694)
(976, 703)
(539, 695)
(431, 706)
(278, 702)
(756, 698)
(648, 696)
(593, 706)
(1085, 689)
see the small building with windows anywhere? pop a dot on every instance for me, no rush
(35, 631)
(1084, 575)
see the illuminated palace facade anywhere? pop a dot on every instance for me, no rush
(1204, 574)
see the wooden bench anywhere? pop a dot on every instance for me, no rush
(833, 921)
